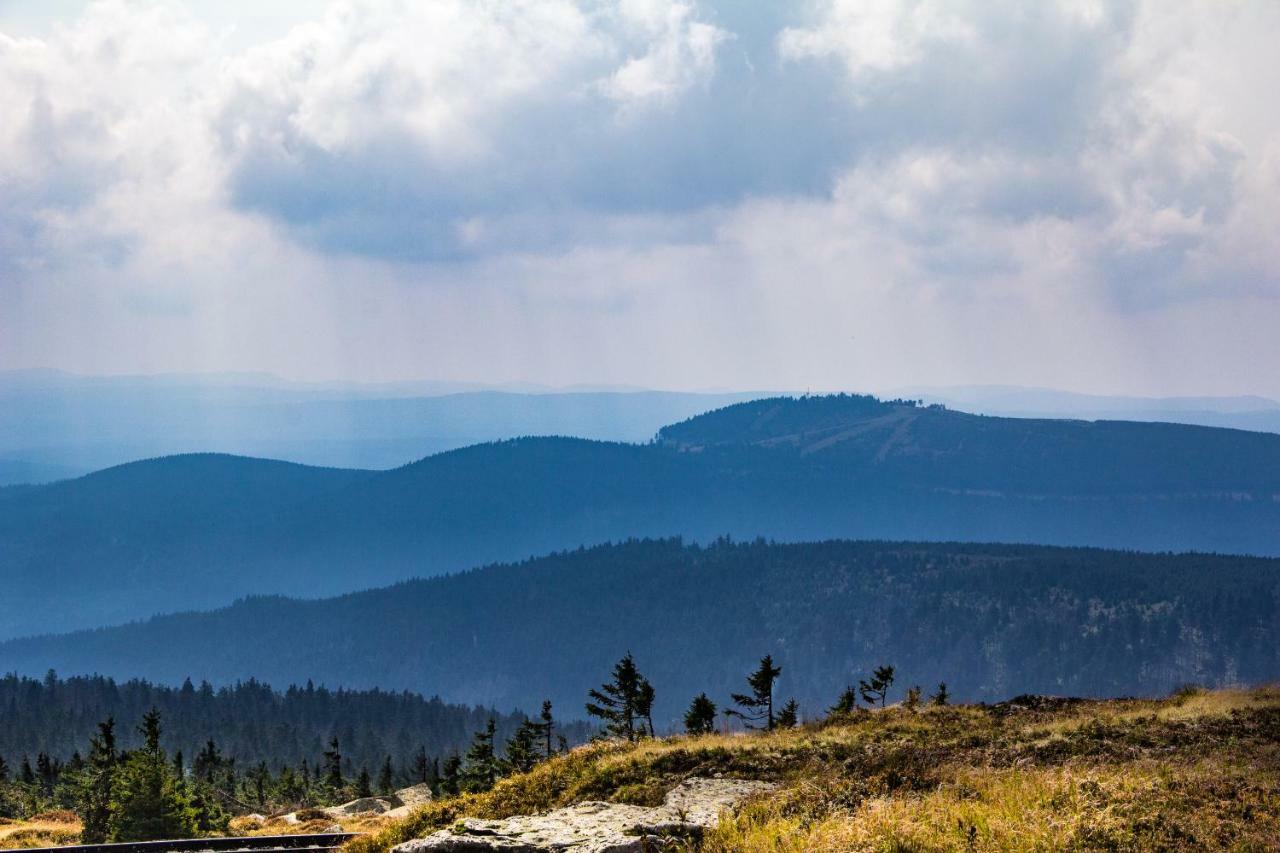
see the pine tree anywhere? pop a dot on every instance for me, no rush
(386, 778)
(700, 719)
(942, 697)
(621, 702)
(259, 780)
(480, 768)
(333, 780)
(421, 766)
(644, 704)
(149, 803)
(522, 748)
(877, 688)
(364, 784)
(97, 789)
(451, 776)
(789, 716)
(47, 772)
(545, 727)
(847, 703)
(757, 707)
(208, 762)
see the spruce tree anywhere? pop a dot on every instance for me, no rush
(942, 697)
(421, 766)
(522, 748)
(386, 778)
(913, 698)
(451, 776)
(700, 719)
(208, 762)
(364, 784)
(545, 727)
(149, 803)
(333, 781)
(876, 689)
(480, 768)
(847, 703)
(757, 707)
(96, 792)
(644, 704)
(4, 771)
(789, 716)
(623, 702)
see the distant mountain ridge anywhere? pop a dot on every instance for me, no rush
(55, 425)
(990, 620)
(198, 531)
(1250, 412)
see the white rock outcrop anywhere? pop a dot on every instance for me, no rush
(594, 827)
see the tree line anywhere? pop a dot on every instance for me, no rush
(239, 748)
(624, 707)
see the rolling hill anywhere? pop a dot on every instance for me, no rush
(198, 531)
(990, 620)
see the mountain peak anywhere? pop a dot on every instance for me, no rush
(799, 421)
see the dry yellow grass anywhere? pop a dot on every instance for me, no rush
(40, 831)
(1193, 772)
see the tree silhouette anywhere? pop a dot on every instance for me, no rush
(757, 707)
(847, 702)
(624, 701)
(149, 803)
(876, 689)
(522, 747)
(700, 719)
(96, 791)
(481, 769)
(789, 716)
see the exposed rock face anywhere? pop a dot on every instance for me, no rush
(594, 827)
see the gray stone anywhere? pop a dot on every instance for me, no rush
(594, 827)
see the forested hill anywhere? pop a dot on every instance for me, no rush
(990, 620)
(196, 531)
(248, 722)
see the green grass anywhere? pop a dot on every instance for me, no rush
(1199, 770)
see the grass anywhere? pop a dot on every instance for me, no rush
(1199, 770)
(50, 829)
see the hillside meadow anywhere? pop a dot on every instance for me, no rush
(1198, 770)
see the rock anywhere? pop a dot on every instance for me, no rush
(414, 796)
(594, 827)
(362, 806)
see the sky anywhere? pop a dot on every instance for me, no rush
(836, 194)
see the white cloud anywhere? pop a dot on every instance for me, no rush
(871, 36)
(931, 192)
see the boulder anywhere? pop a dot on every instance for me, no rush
(414, 796)
(595, 827)
(362, 806)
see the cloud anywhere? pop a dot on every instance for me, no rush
(454, 184)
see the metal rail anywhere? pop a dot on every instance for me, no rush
(325, 841)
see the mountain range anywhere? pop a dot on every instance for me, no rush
(56, 425)
(990, 620)
(197, 531)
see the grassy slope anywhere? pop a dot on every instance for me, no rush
(50, 829)
(1196, 771)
